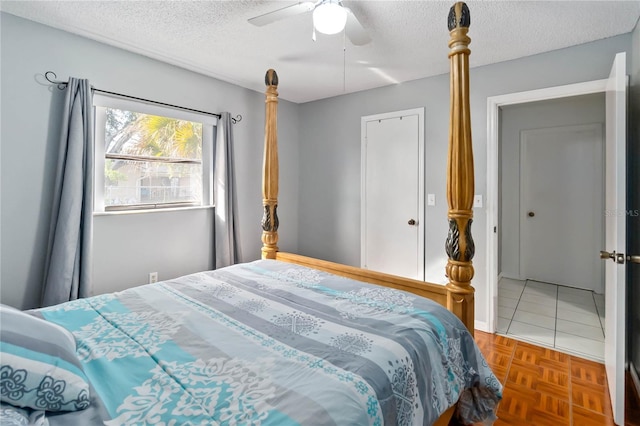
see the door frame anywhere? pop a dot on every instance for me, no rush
(421, 182)
(493, 132)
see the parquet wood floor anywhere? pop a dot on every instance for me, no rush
(546, 387)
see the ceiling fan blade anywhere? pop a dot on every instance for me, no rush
(285, 12)
(355, 31)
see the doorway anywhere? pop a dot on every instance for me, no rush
(551, 197)
(504, 256)
(615, 88)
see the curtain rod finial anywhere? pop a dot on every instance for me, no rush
(53, 80)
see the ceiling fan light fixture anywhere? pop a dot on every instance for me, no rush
(329, 18)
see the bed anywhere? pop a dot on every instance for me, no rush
(284, 340)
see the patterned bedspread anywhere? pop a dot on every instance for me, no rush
(271, 343)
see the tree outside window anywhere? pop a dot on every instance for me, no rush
(151, 160)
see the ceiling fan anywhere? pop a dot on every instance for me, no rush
(329, 17)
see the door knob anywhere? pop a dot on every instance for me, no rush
(411, 222)
(531, 214)
(633, 259)
(616, 257)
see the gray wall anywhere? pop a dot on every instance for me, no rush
(127, 247)
(330, 148)
(572, 111)
(633, 202)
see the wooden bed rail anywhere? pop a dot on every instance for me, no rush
(435, 292)
(458, 294)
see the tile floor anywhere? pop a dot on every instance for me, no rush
(567, 319)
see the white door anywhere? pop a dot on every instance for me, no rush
(615, 235)
(392, 199)
(561, 205)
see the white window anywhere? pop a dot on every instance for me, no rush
(149, 156)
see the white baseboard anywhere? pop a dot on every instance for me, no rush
(481, 325)
(511, 277)
(500, 276)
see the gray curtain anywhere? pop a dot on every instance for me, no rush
(68, 264)
(224, 194)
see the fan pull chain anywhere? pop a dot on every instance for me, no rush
(344, 61)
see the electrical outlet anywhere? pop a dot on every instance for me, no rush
(153, 277)
(477, 201)
(431, 199)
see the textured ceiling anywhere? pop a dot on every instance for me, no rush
(409, 37)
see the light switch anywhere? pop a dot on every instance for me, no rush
(431, 199)
(477, 201)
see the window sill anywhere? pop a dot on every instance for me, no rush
(145, 211)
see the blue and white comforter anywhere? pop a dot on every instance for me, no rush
(271, 343)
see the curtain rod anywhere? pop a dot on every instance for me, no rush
(61, 85)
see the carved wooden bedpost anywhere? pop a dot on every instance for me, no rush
(270, 169)
(460, 184)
